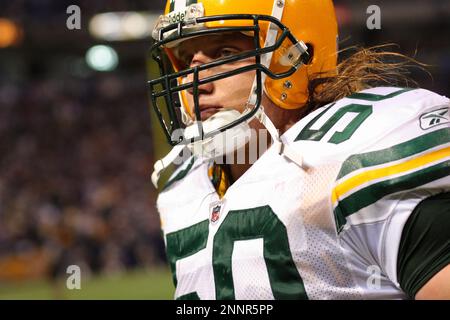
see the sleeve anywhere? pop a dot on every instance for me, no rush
(378, 190)
(425, 243)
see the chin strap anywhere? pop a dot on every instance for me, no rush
(281, 148)
(163, 163)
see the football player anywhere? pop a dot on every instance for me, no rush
(349, 199)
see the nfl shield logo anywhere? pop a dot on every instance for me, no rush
(215, 214)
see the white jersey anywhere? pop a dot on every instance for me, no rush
(329, 232)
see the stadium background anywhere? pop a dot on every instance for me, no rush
(77, 144)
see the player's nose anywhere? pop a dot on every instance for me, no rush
(198, 59)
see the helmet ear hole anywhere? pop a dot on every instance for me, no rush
(311, 53)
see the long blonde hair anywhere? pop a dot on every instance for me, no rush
(364, 68)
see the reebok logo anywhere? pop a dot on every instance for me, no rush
(435, 118)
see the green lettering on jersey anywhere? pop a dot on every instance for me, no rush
(261, 222)
(362, 111)
(189, 296)
(186, 242)
(256, 223)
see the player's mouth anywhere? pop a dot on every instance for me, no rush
(207, 111)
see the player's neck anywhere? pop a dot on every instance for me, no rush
(282, 119)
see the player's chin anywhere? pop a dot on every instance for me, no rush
(208, 113)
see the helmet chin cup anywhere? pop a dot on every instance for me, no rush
(223, 143)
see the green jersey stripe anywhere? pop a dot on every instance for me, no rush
(180, 175)
(189, 2)
(397, 152)
(371, 194)
(376, 97)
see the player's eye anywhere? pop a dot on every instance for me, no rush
(186, 60)
(226, 52)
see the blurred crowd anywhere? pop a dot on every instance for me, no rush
(75, 159)
(44, 9)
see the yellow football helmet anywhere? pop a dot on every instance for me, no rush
(307, 29)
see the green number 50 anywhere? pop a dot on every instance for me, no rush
(248, 224)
